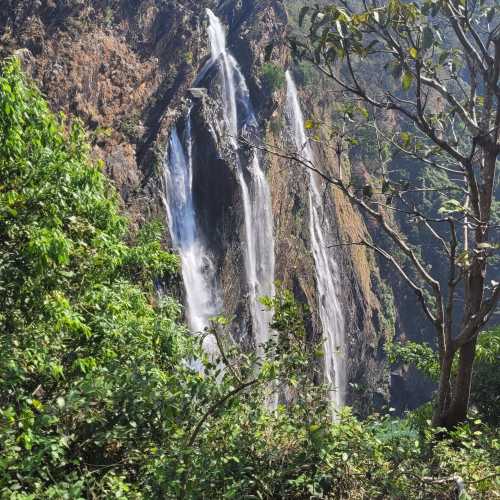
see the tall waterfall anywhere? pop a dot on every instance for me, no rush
(198, 273)
(330, 312)
(258, 227)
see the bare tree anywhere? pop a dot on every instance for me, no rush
(440, 66)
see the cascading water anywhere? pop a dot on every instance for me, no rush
(198, 273)
(259, 242)
(330, 312)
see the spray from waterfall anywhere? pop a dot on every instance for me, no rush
(198, 273)
(258, 227)
(328, 290)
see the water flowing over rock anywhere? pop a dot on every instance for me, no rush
(326, 269)
(202, 296)
(239, 119)
(198, 273)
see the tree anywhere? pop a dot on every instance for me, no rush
(440, 80)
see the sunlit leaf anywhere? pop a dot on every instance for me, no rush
(406, 81)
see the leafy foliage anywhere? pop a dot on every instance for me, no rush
(273, 76)
(86, 353)
(99, 394)
(486, 378)
(486, 381)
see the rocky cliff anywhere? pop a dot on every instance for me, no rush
(125, 68)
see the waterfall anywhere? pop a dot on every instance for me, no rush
(258, 227)
(198, 273)
(328, 288)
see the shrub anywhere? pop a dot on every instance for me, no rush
(273, 77)
(85, 370)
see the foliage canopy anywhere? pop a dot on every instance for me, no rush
(98, 395)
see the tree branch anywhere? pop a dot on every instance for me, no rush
(472, 327)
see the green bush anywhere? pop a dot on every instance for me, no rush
(273, 77)
(86, 365)
(485, 392)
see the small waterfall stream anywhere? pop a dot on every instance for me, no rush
(239, 118)
(199, 276)
(198, 273)
(330, 312)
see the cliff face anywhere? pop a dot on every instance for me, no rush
(124, 67)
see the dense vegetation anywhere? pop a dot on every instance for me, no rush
(100, 395)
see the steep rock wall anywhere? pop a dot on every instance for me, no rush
(124, 67)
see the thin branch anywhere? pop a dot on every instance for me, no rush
(453, 17)
(224, 357)
(452, 283)
(215, 406)
(418, 290)
(420, 158)
(474, 324)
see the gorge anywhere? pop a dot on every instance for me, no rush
(248, 249)
(168, 93)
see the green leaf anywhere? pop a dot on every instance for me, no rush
(450, 206)
(413, 53)
(485, 246)
(405, 138)
(406, 81)
(363, 111)
(443, 56)
(37, 404)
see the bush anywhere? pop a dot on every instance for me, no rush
(485, 392)
(87, 351)
(273, 77)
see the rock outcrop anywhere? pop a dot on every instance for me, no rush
(127, 69)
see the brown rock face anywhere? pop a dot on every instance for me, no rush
(122, 67)
(125, 67)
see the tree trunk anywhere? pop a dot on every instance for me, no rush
(457, 412)
(444, 390)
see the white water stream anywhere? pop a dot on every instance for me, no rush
(199, 276)
(198, 273)
(258, 226)
(328, 289)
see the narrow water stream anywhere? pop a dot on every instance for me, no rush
(259, 242)
(328, 289)
(198, 273)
